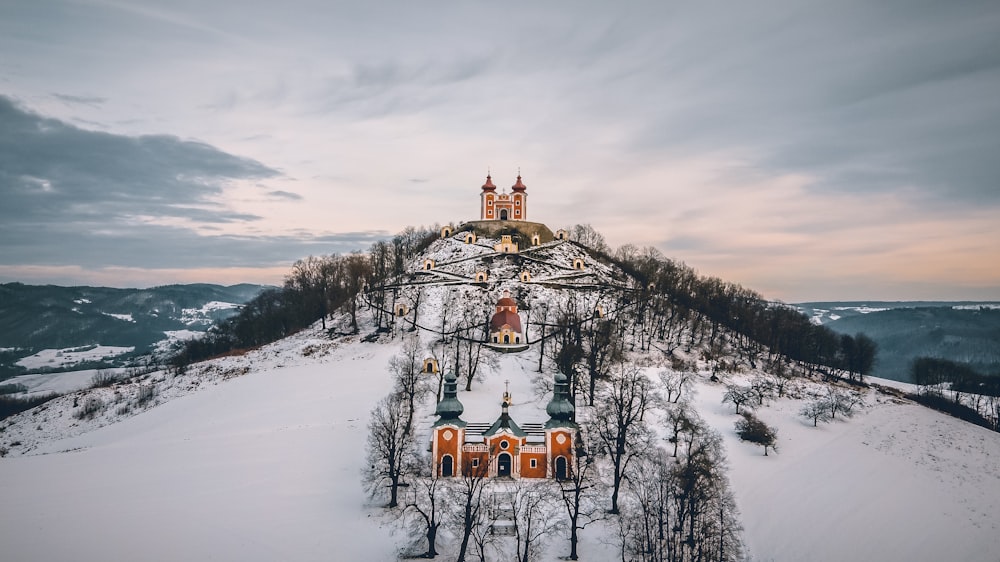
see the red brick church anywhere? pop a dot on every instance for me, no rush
(504, 449)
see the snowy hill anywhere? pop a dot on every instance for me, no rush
(50, 328)
(259, 456)
(964, 332)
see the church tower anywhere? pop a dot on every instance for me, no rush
(488, 199)
(519, 198)
(448, 431)
(560, 431)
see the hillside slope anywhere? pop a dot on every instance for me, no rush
(266, 466)
(260, 456)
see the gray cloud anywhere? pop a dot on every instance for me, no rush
(280, 194)
(862, 97)
(73, 192)
(93, 101)
(51, 171)
(98, 245)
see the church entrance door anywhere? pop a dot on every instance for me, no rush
(503, 214)
(503, 464)
(560, 468)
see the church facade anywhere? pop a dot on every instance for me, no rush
(503, 206)
(504, 449)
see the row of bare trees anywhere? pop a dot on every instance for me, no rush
(314, 289)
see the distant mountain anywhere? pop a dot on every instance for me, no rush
(54, 328)
(968, 332)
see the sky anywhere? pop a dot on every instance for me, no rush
(807, 150)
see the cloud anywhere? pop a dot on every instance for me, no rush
(54, 172)
(93, 101)
(279, 194)
(103, 200)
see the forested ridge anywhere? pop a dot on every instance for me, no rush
(663, 288)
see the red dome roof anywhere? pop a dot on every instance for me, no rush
(506, 317)
(506, 301)
(488, 186)
(519, 186)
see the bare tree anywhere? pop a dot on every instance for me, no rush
(423, 504)
(680, 419)
(842, 402)
(411, 384)
(535, 511)
(468, 504)
(357, 270)
(739, 396)
(676, 383)
(762, 389)
(601, 346)
(389, 445)
(578, 495)
(817, 411)
(618, 423)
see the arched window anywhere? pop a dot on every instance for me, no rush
(561, 473)
(506, 338)
(503, 214)
(447, 466)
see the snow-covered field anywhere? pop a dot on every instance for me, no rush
(58, 383)
(264, 466)
(58, 358)
(203, 315)
(267, 466)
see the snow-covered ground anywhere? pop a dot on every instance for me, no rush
(203, 315)
(58, 383)
(259, 457)
(896, 482)
(264, 466)
(123, 317)
(267, 466)
(58, 358)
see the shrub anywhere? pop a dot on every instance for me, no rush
(90, 407)
(103, 378)
(146, 393)
(750, 428)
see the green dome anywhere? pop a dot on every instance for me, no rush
(560, 409)
(449, 408)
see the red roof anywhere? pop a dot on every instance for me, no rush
(519, 186)
(505, 318)
(506, 301)
(488, 186)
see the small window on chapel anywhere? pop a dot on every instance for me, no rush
(504, 445)
(534, 463)
(518, 202)
(475, 463)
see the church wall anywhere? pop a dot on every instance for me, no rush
(447, 441)
(557, 449)
(538, 471)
